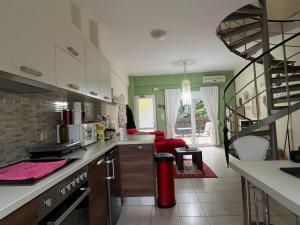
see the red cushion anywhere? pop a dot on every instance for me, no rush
(160, 146)
(159, 139)
(132, 131)
(158, 133)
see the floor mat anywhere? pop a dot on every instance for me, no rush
(191, 171)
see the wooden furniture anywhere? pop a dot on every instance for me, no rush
(26, 215)
(267, 176)
(196, 154)
(98, 195)
(137, 170)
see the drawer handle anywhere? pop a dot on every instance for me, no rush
(140, 147)
(73, 51)
(100, 162)
(31, 71)
(105, 97)
(73, 86)
(94, 93)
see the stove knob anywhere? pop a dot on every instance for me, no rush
(77, 180)
(48, 202)
(68, 187)
(81, 177)
(73, 183)
(85, 174)
(63, 191)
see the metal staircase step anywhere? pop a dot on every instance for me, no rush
(251, 51)
(260, 133)
(293, 98)
(275, 62)
(245, 40)
(248, 11)
(281, 70)
(237, 30)
(239, 16)
(292, 78)
(292, 87)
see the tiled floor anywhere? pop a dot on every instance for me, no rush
(204, 201)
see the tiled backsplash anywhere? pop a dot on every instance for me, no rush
(30, 119)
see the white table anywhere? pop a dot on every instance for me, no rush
(267, 176)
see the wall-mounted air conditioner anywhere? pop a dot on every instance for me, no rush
(214, 79)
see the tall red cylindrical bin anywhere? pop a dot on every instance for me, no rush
(165, 180)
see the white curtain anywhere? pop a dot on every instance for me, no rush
(172, 104)
(210, 98)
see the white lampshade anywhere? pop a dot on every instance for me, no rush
(186, 95)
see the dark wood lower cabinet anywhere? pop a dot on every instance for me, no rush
(26, 215)
(98, 195)
(137, 170)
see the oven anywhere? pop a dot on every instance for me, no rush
(67, 203)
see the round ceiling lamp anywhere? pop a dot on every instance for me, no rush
(158, 34)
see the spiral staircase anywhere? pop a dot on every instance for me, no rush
(269, 85)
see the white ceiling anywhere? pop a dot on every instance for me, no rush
(191, 27)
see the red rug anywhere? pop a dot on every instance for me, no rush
(191, 171)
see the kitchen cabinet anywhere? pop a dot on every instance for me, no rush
(105, 82)
(26, 215)
(70, 72)
(137, 170)
(27, 39)
(92, 70)
(67, 36)
(98, 195)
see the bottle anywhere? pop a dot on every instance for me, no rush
(100, 127)
(63, 133)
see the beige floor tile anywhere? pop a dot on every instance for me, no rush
(186, 198)
(165, 221)
(184, 187)
(222, 209)
(193, 209)
(194, 220)
(226, 220)
(165, 212)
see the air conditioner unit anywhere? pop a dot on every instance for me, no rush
(214, 79)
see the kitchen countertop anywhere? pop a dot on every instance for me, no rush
(14, 196)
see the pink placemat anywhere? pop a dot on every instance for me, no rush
(29, 170)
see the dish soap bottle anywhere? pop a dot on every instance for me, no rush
(100, 131)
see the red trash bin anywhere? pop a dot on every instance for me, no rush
(165, 180)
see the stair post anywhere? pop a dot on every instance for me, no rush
(268, 75)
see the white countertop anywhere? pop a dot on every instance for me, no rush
(267, 176)
(12, 196)
(137, 139)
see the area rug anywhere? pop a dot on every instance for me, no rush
(191, 171)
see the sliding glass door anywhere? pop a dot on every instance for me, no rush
(193, 124)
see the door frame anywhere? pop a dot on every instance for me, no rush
(136, 109)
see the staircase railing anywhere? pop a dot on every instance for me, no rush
(245, 101)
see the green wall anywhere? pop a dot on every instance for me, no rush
(143, 85)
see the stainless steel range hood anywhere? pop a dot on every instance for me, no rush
(13, 83)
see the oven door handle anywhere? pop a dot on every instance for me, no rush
(66, 213)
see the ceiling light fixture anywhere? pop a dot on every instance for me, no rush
(158, 34)
(186, 95)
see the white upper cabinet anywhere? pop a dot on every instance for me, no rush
(92, 70)
(70, 72)
(27, 39)
(105, 82)
(67, 29)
